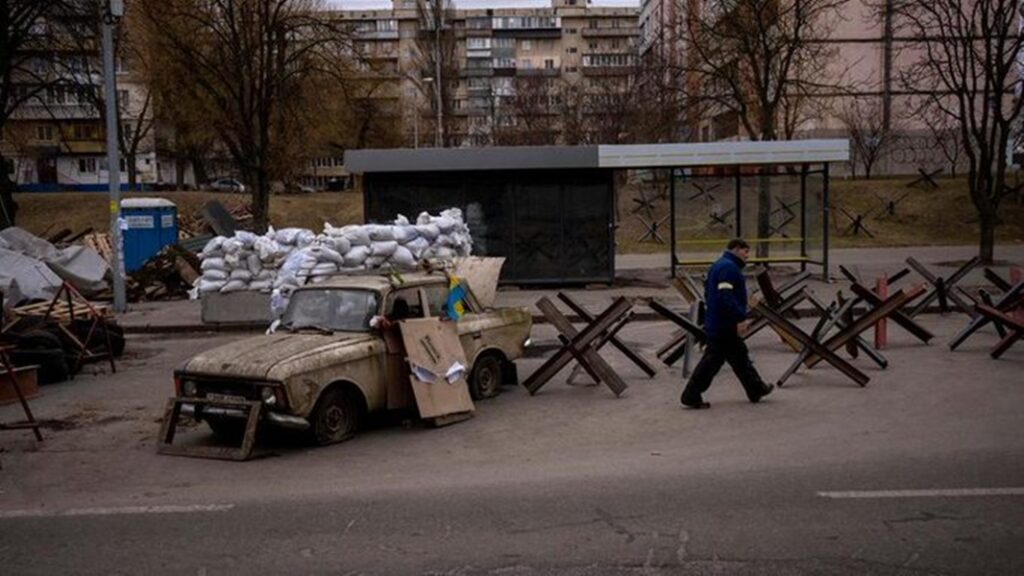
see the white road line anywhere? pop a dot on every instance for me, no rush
(936, 493)
(168, 509)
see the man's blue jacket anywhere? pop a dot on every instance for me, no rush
(726, 296)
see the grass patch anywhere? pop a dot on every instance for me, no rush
(46, 213)
(926, 217)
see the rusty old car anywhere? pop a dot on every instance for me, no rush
(328, 364)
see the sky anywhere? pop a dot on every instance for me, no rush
(469, 4)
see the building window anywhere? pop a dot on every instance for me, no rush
(478, 43)
(549, 64)
(44, 133)
(87, 165)
(572, 50)
(126, 128)
(525, 64)
(526, 45)
(82, 132)
(504, 42)
(123, 99)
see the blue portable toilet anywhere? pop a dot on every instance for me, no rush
(152, 223)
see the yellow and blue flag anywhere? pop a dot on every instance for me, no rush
(456, 305)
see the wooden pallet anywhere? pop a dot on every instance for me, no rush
(61, 311)
(100, 242)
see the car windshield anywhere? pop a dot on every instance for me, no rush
(331, 309)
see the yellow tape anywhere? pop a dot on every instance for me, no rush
(114, 207)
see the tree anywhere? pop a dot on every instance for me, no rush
(968, 59)
(753, 60)
(870, 138)
(28, 29)
(253, 64)
(947, 138)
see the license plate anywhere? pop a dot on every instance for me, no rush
(226, 397)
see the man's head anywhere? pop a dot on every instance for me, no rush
(739, 248)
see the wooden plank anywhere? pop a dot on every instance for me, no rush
(892, 304)
(634, 357)
(898, 316)
(433, 345)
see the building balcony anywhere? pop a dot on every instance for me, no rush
(609, 32)
(378, 35)
(528, 32)
(476, 72)
(608, 70)
(548, 72)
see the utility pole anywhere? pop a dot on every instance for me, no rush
(439, 81)
(113, 12)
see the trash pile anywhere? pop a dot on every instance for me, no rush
(32, 268)
(282, 260)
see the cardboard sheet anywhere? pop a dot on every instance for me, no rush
(435, 357)
(482, 275)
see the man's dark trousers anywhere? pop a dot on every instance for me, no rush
(724, 348)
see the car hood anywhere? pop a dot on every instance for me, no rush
(255, 357)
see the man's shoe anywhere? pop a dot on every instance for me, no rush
(764, 392)
(698, 404)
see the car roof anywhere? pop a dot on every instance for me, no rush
(379, 282)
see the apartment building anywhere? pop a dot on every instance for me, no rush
(506, 67)
(55, 140)
(869, 56)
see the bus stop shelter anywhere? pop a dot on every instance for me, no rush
(551, 210)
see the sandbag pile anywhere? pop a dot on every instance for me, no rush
(282, 260)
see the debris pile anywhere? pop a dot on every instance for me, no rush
(283, 260)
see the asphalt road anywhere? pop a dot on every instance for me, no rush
(922, 472)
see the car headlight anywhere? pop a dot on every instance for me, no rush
(268, 395)
(188, 388)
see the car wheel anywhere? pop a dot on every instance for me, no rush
(336, 417)
(486, 378)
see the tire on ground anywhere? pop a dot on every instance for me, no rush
(337, 415)
(53, 363)
(487, 377)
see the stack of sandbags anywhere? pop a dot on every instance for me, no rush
(289, 258)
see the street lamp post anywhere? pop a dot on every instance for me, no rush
(114, 11)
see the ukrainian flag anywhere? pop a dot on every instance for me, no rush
(456, 305)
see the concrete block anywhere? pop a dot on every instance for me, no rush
(242, 307)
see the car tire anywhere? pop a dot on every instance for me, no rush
(486, 379)
(38, 340)
(336, 418)
(53, 363)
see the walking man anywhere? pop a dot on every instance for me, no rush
(725, 324)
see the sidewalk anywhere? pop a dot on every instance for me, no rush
(639, 276)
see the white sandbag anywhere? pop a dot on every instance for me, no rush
(325, 254)
(267, 248)
(443, 240)
(340, 244)
(381, 233)
(265, 274)
(294, 236)
(417, 247)
(357, 235)
(234, 286)
(231, 246)
(428, 231)
(403, 257)
(232, 261)
(445, 224)
(214, 245)
(356, 256)
(424, 218)
(214, 274)
(240, 274)
(254, 264)
(405, 234)
(246, 238)
(261, 285)
(210, 285)
(441, 253)
(213, 264)
(375, 261)
(384, 249)
(304, 238)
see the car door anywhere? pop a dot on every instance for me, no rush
(396, 369)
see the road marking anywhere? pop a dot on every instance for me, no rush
(168, 509)
(936, 493)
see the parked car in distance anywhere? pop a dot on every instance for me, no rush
(328, 365)
(227, 185)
